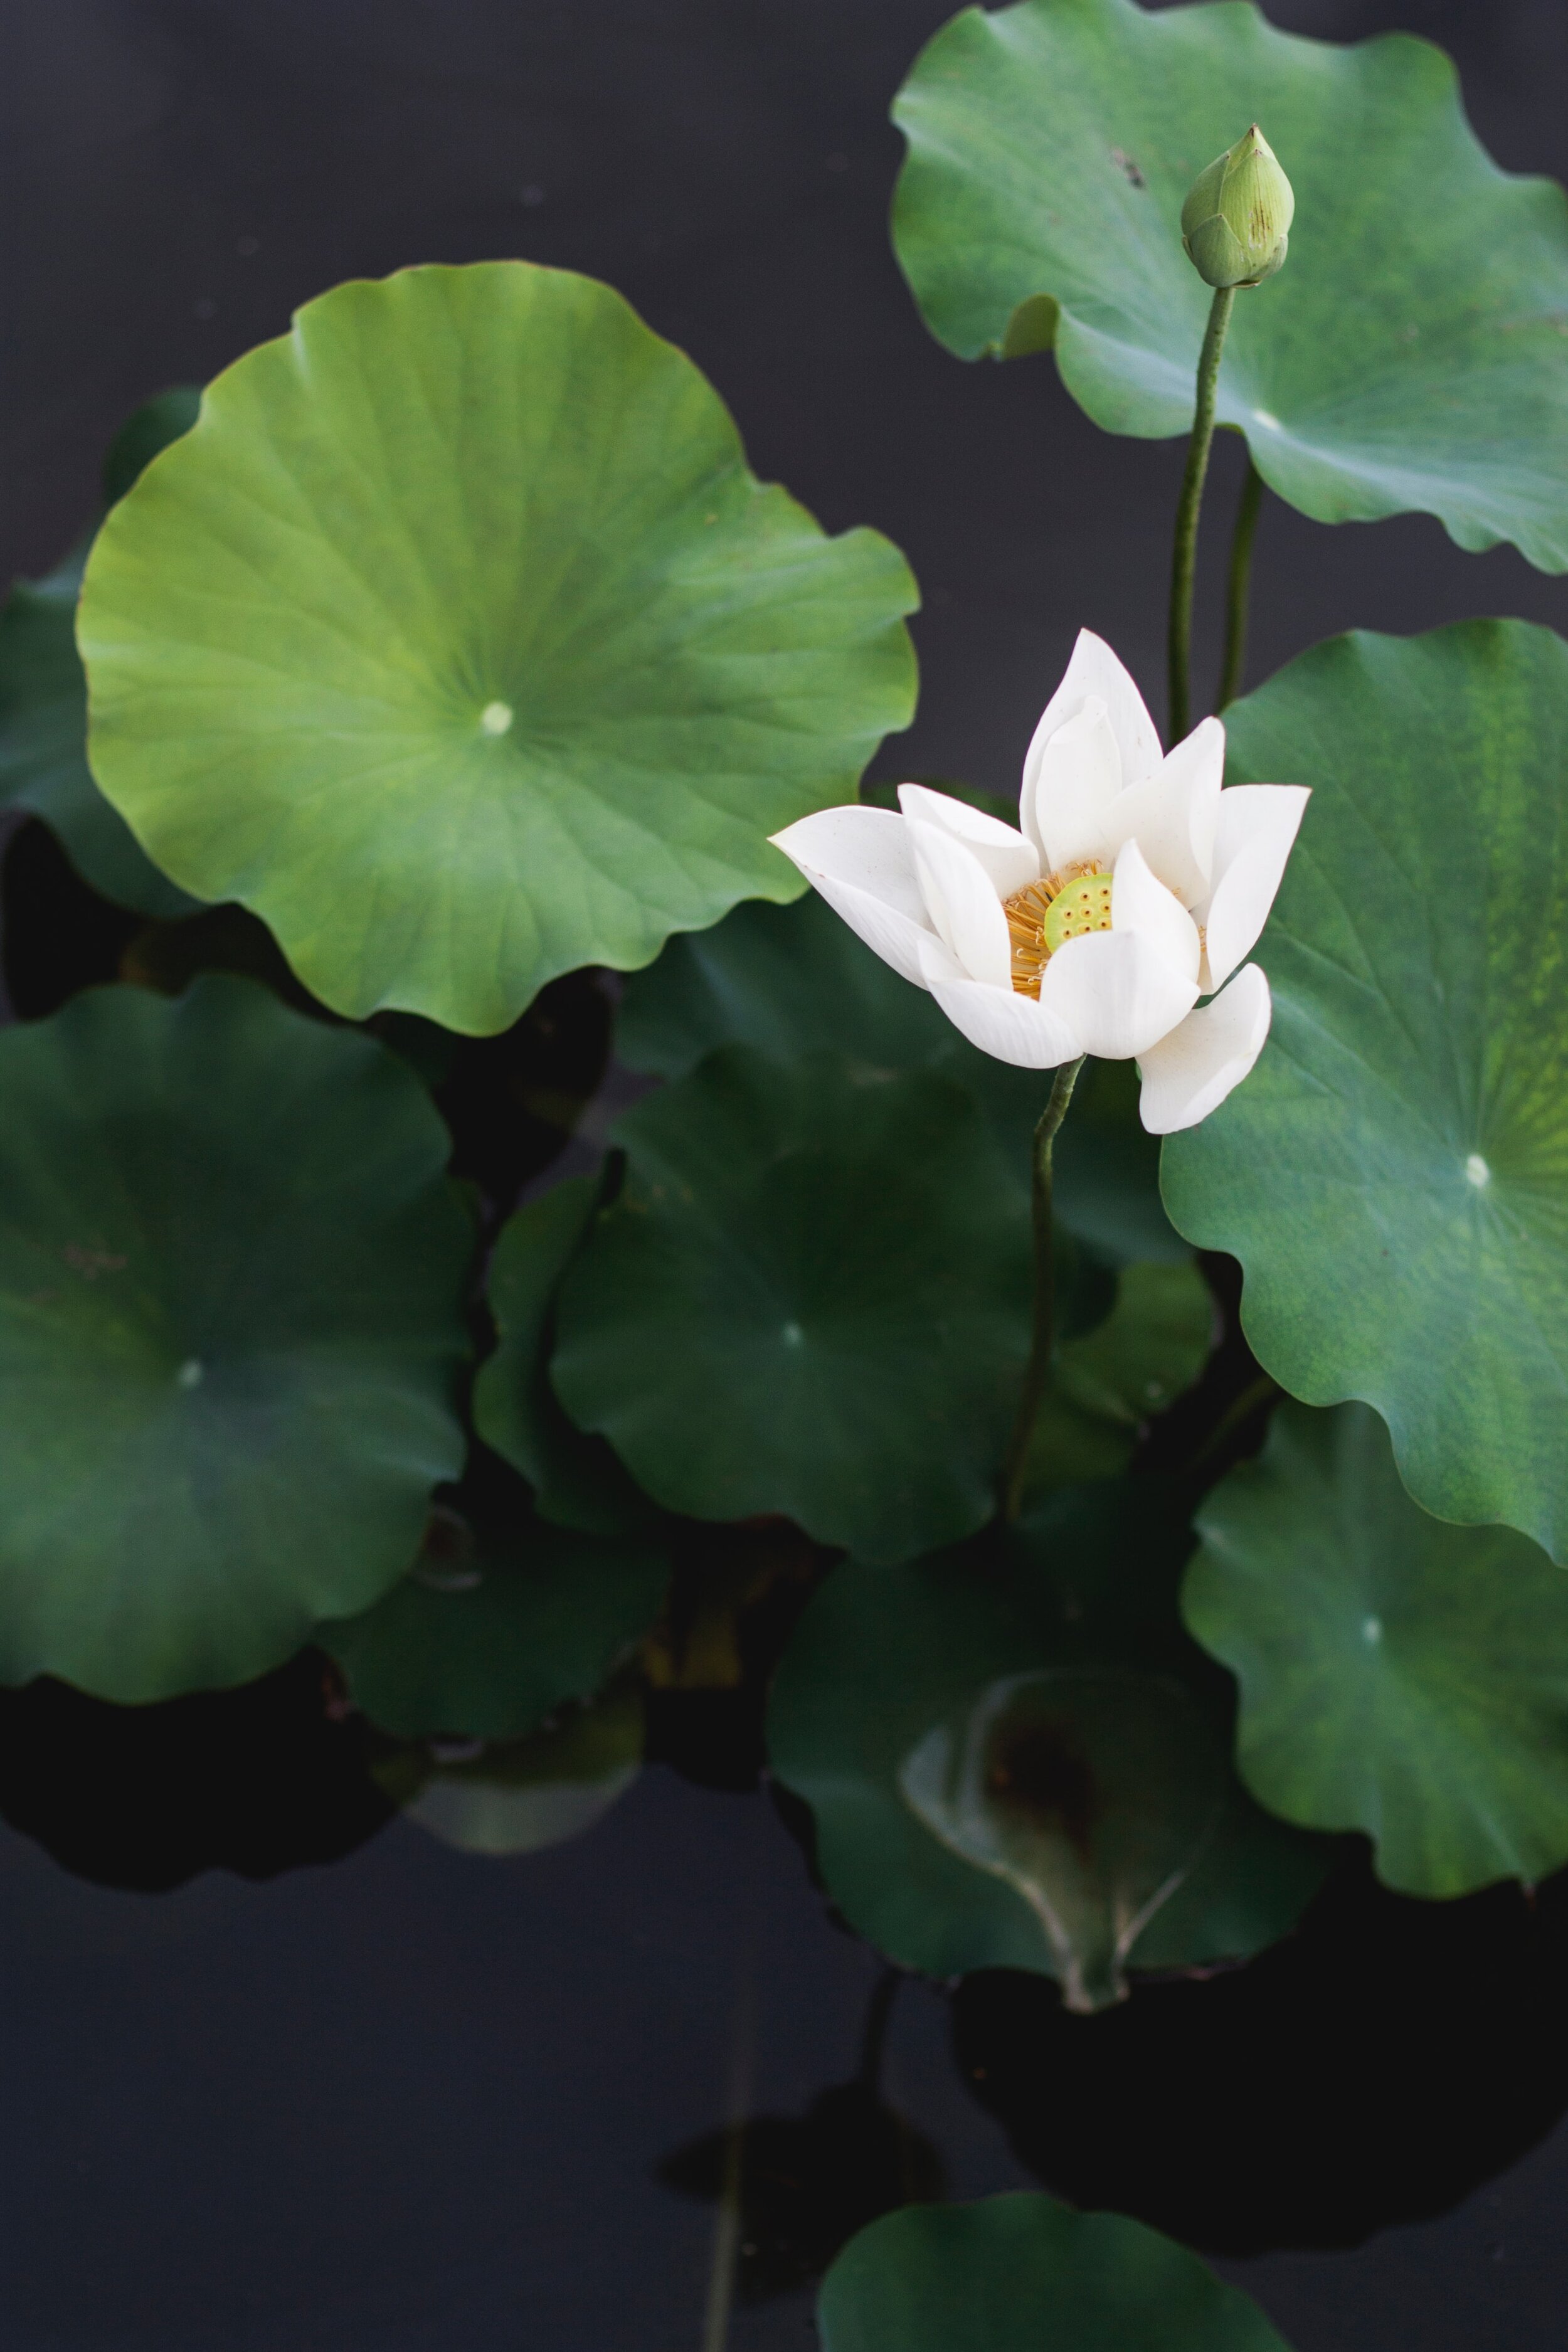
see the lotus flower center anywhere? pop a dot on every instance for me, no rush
(1044, 915)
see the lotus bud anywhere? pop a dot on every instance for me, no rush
(1235, 217)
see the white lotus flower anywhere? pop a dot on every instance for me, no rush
(1134, 886)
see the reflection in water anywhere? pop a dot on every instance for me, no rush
(256, 1780)
(802, 2185)
(1091, 1792)
(1372, 2068)
(1375, 2067)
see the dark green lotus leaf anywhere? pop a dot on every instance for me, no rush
(146, 435)
(1017, 1759)
(811, 1298)
(1398, 1675)
(797, 980)
(1112, 1378)
(578, 1482)
(1023, 2273)
(43, 696)
(459, 643)
(518, 1796)
(231, 1285)
(1410, 353)
(495, 1625)
(1394, 1175)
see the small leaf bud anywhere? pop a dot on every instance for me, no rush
(1236, 214)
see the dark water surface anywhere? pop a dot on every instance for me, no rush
(420, 2099)
(403, 2097)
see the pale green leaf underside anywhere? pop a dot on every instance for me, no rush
(1394, 1175)
(1398, 1675)
(520, 1796)
(457, 641)
(1410, 355)
(231, 1279)
(1121, 1839)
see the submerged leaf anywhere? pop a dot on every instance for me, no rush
(1022, 2274)
(520, 1796)
(1109, 1381)
(43, 696)
(577, 1480)
(496, 1624)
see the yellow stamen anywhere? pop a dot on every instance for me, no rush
(1043, 916)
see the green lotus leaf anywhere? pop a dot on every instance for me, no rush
(231, 1286)
(43, 696)
(520, 1796)
(1409, 355)
(1015, 1759)
(1112, 1378)
(1394, 1175)
(1398, 1675)
(795, 980)
(495, 1625)
(1022, 2274)
(459, 643)
(811, 1298)
(578, 1481)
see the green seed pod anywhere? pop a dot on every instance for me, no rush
(1235, 217)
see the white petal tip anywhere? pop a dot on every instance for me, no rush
(1189, 1073)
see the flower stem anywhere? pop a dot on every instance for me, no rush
(1234, 671)
(1183, 561)
(1038, 1377)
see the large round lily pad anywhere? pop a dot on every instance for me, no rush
(1015, 1759)
(43, 696)
(501, 1618)
(1023, 2273)
(1409, 355)
(458, 643)
(797, 980)
(231, 1282)
(1394, 1175)
(1398, 1675)
(812, 1298)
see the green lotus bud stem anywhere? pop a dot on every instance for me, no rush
(1236, 220)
